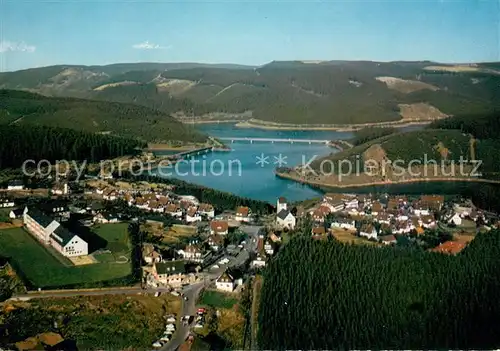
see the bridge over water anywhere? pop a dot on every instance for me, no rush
(274, 140)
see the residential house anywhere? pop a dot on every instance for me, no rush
(225, 282)
(173, 210)
(281, 204)
(268, 248)
(285, 219)
(432, 202)
(219, 227)
(335, 202)
(5, 202)
(60, 189)
(150, 255)
(206, 210)
(351, 201)
(318, 231)
(110, 195)
(388, 239)
(427, 221)
(320, 213)
(420, 209)
(242, 214)
(141, 203)
(169, 273)
(215, 241)
(382, 218)
(106, 217)
(377, 208)
(15, 185)
(192, 253)
(344, 223)
(258, 262)
(463, 209)
(454, 219)
(192, 215)
(155, 206)
(368, 231)
(17, 213)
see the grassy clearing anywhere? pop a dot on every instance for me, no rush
(115, 322)
(217, 299)
(116, 235)
(178, 232)
(44, 270)
(348, 237)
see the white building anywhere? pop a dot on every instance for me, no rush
(219, 227)
(207, 210)
(192, 215)
(285, 219)
(344, 223)
(192, 253)
(60, 189)
(368, 231)
(15, 185)
(6, 202)
(50, 232)
(455, 219)
(242, 214)
(281, 205)
(225, 282)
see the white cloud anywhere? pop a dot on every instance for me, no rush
(150, 46)
(6, 45)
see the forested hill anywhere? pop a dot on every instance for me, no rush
(297, 92)
(30, 142)
(127, 120)
(324, 295)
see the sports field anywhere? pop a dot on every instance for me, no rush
(43, 270)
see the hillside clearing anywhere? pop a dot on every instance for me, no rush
(420, 112)
(405, 86)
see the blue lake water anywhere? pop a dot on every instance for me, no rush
(239, 171)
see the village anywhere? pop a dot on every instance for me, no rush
(188, 243)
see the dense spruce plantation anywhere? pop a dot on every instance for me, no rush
(20, 143)
(335, 92)
(366, 134)
(121, 119)
(326, 295)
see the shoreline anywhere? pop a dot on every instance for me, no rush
(337, 128)
(211, 121)
(364, 185)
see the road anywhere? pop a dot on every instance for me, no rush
(188, 309)
(90, 292)
(193, 291)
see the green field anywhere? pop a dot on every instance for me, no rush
(43, 270)
(217, 299)
(117, 236)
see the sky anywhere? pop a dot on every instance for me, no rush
(40, 33)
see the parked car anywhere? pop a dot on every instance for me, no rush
(175, 293)
(157, 294)
(157, 344)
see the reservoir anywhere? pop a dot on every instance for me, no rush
(248, 169)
